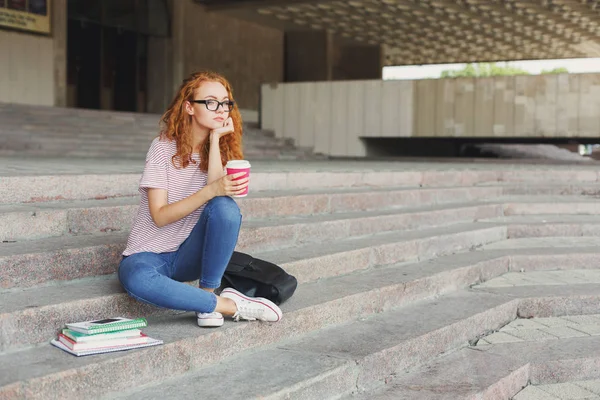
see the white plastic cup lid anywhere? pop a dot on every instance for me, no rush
(237, 164)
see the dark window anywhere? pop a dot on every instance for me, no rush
(20, 5)
(148, 17)
(39, 7)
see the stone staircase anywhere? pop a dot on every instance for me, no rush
(398, 267)
(69, 132)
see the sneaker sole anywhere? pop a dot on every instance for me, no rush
(261, 300)
(210, 322)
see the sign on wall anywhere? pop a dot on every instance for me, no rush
(28, 15)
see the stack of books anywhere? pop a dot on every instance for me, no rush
(103, 336)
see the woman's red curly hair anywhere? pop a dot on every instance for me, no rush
(176, 122)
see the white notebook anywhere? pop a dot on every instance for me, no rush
(151, 342)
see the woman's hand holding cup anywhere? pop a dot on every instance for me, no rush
(231, 185)
(236, 167)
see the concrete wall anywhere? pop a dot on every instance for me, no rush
(247, 54)
(308, 56)
(32, 66)
(312, 55)
(59, 48)
(331, 117)
(160, 74)
(26, 68)
(566, 105)
(357, 62)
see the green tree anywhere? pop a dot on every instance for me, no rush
(492, 69)
(482, 70)
(560, 70)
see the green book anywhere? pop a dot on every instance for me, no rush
(83, 338)
(107, 325)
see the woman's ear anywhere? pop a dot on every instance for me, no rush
(189, 108)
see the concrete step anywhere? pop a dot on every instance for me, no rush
(273, 234)
(46, 126)
(348, 272)
(469, 374)
(588, 189)
(311, 202)
(126, 154)
(543, 298)
(42, 135)
(538, 242)
(36, 220)
(548, 198)
(15, 115)
(132, 154)
(99, 148)
(32, 315)
(45, 138)
(551, 176)
(45, 179)
(572, 390)
(50, 139)
(316, 305)
(371, 349)
(34, 189)
(68, 258)
(26, 221)
(90, 182)
(549, 205)
(88, 133)
(533, 352)
(526, 226)
(360, 357)
(56, 259)
(341, 359)
(64, 256)
(74, 125)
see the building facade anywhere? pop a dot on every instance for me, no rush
(132, 55)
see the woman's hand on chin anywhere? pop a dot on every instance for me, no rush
(226, 129)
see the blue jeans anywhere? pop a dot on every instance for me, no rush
(158, 278)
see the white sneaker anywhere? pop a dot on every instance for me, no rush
(210, 320)
(252, 308)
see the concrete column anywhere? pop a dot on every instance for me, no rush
(354, 62)
(178, 13)
(308, 56)
(160, 74)
(59, 36)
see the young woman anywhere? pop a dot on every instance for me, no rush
(187, 225)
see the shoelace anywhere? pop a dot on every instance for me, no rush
(236, 316)
(249, 310)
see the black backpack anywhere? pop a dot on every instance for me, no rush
(258, 278)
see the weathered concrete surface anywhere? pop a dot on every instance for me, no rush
(401, 266)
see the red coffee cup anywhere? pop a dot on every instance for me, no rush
(235, 166)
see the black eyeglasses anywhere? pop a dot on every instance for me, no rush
(213, 105)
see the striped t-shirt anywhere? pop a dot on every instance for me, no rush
(180, 183)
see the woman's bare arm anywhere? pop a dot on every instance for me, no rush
(164, 213)
(215, 164)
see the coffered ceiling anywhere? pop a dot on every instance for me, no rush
(440, 31)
